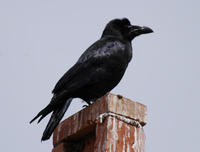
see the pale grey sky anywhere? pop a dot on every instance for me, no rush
(41, 40)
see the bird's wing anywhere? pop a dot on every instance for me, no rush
(70, 78)
(87, 66)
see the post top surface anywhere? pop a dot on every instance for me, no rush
(83, 121)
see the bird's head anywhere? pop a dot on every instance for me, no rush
(123, 28)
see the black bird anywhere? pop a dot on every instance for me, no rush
(98, 70)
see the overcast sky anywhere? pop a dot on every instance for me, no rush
(41, 39)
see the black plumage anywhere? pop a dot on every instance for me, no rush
(98, 70)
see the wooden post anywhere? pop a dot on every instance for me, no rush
(111, 124)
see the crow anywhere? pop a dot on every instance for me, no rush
(98, 70)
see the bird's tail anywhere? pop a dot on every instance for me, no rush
(56, 117)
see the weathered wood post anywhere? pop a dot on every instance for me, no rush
(111, 124)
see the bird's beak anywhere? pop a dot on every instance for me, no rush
(138, 30)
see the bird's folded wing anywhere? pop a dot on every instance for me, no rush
(90, 65)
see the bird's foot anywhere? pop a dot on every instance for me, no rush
(119, 96)
(88, 102)
(85, 106)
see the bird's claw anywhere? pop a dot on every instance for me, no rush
(119, 96)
